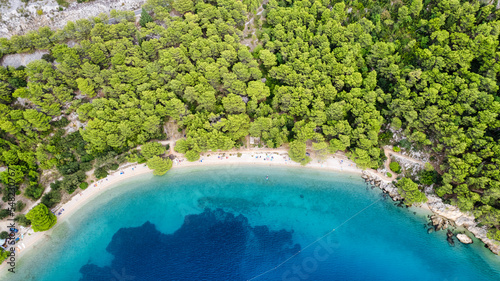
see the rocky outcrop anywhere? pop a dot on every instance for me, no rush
(439, 222)
(387, 187)
(450, 212)
(464, 238)
(16, 60)
(445, 214)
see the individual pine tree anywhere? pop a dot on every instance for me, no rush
(41, 218)
(159, 165)
(145, 18)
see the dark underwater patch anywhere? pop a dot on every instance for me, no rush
(214, 245)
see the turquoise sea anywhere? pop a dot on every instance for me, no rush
(230, 223)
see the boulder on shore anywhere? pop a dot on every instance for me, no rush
(439, 222)
(464, 238)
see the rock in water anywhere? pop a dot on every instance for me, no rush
(450, 241)
(430, 230)
(464, 238)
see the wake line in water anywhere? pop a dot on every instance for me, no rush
(315, 241)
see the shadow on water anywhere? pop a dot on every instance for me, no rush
(213, 245)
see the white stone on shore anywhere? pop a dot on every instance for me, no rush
(466, 220)
(464, 238)
(449, 212)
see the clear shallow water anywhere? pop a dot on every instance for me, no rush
(229, 223)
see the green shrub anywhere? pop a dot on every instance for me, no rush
(100, 173)
(20, 205)
(381, 160)
(396, 123)
(4, 235)
(389, 175)
(22, 220)
(4, 213)
(17, 82)
(404, 143)
(428, 177)
(394, 166)
(145, 18)
(385, 137)
(39, 12)
(87, 158)
(55, 185)
(239, 154)
(4, 255)
(396, 149)
(84, 185)
(52, 198)
(86, 166)
(494, 234)
(192, 156)
(63, 122)
(33, 192)
(62, 3)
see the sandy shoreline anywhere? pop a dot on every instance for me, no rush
(31, 239)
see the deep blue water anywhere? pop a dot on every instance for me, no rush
(229, 223)
(211, 245)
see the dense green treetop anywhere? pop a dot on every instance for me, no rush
(41, 218)
(410, 192)
(151, 149)
(159, 165)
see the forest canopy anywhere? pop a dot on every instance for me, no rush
(339, 76)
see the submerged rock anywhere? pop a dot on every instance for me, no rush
(450, 241)
(439, 222)
(430, 230)
(464, 238)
